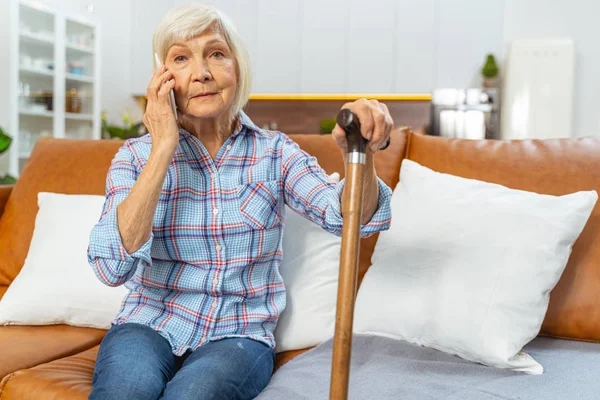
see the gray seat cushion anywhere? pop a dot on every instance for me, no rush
(384, 368)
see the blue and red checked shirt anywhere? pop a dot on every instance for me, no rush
(210, 268)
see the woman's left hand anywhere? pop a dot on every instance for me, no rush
(375, 124)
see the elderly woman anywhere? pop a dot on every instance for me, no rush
(193, 220)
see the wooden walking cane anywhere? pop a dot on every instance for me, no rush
(352, 213)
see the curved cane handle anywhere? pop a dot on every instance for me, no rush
(349, 122)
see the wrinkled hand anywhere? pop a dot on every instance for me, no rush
(159, 117)
(375, 124)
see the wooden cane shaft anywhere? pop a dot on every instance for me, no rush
(342, 345)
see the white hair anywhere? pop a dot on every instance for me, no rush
(188, 21)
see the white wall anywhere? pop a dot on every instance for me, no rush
(577, 19)
(117, 58)
(393, 46)
(4, 75)
(346, 46)
(144, 18)
(466, 31)
(4, 79)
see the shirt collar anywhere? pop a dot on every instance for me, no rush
(244, 121)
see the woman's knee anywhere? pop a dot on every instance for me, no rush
(135, 338)
(132, 363)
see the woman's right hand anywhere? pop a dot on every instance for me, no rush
(159, 118)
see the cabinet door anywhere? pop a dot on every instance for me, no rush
(145, 16)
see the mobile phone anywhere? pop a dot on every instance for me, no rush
(171, 93)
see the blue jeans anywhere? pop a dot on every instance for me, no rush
(135, 362)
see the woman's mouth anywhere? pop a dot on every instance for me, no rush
(204, 95)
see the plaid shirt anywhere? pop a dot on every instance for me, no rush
(210, 268)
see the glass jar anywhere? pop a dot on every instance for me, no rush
(72, 101)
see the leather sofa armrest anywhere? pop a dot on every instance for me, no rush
(65, 378)
(5, 191)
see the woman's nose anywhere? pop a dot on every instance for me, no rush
(201, 72)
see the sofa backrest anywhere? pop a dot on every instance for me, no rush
(55, 165)
(555, 167)
(551, 166)
(80, 167)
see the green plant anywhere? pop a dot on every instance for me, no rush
(490, 68)
(327, 125)
(5, 142)
(128, 130)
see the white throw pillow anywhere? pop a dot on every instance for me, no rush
(56, 284)
(310, 269)
(467, 266)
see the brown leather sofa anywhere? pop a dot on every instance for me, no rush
(57, 362)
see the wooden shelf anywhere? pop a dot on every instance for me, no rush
(35, 113)
(79, 49)
(141, 99)
(36, 38)
(80, 117)
(36, 72)
(341, 96)
(80, 78)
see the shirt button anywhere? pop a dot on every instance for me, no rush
(228, 147)
(218, 247)
(214, 304)
(202, 340)
(215, 211)
(216, 280)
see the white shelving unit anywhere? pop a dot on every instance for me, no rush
(54, 74)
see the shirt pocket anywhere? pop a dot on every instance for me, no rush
(259, 204)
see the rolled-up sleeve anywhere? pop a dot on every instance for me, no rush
(310, 193)
(111, 263)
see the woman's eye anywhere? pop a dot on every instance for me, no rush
(218, 54)
(179, 58)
